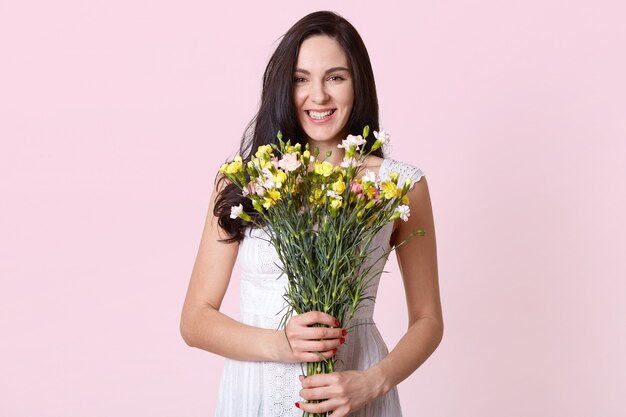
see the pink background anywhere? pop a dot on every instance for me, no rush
(115, 115)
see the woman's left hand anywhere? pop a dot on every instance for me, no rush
(343, 392)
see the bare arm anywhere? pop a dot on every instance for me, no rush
(203, 326)
(417, 259)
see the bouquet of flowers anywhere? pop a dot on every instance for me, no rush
(322, 220)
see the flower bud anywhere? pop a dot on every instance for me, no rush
(257, 206)
(408, 183)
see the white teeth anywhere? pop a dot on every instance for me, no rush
(320, 115)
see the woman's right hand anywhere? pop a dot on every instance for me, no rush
(303, 340)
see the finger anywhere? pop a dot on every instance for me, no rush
(319, 393)
(318, 345)
(320, 380)
(314, 317)
(314, 357)
(317, 333)
(321, 407)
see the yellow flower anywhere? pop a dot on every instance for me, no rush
(405, 199)
(266, 164)
(335, 203)
(274, 194)
(323, 168)
(235, 167)
(271, 197)
(369, 190)
(279, 178)
(390, 190)
(339, 187)
(264, 152)
(317, 196)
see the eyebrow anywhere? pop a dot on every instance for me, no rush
(329, 70)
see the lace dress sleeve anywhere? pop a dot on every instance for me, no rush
(405, 171)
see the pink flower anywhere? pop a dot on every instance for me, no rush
(289, 162)
(352, 140)
(356, 187)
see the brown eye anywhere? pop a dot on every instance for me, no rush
(336, 78)
(298, 80)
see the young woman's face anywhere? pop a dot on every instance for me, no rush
(323, 90)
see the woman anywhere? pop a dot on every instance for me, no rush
(318, 86)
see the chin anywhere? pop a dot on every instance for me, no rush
(325, 138)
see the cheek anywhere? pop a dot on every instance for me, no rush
(348, 96)
(298, 97)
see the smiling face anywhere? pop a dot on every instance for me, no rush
(323, 90)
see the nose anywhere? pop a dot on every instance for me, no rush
(319, 93)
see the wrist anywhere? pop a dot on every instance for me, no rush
(278, 348)
(378, 380)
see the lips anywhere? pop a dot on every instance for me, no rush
(320, 116)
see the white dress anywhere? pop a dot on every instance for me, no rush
(270, 389)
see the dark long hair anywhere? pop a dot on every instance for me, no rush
(277, 109)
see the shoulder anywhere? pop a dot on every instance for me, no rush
(403, 169)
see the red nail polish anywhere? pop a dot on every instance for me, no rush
(344, 332)
(336, 322)
(342, 341)
(297, 405)
(334, 351)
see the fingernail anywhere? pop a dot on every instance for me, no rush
(344, 332)
(334, 351)
(297, 405)
(342, 341)
(336, 322)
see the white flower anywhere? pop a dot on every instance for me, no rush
(404, 211)
(350, 162)
(382, 136)
(332, 194)
(352, 140)
(235, 211)
(289, 162)
(369, 176)
(269, 179)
